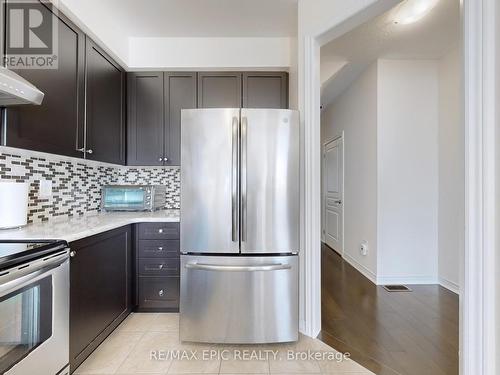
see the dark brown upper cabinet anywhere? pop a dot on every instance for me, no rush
(265, 90)
(155, 101)
(57, 125)
(219, 90)
(154, 129)
(145, 119)
(105, 120)
(179, 93)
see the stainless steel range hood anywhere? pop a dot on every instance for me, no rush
(16, 90)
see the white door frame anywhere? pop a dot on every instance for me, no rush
(478, 284)
(323, 192)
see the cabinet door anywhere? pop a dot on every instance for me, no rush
(265, 90)
(219, 90)
(56, 126)
(145, 119)
(180, 93)
(105, 121)
(100, 290)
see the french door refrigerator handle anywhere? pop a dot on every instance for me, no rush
(235, 178)
(244, 126)
(217, 267)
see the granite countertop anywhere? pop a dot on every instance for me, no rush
(75, 228)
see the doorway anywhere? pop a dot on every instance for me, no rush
(395, 217)
(333, 187)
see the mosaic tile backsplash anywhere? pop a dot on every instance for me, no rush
(76, 184)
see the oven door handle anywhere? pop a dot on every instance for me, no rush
(15, 279)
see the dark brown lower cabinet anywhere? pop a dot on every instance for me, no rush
(159, 293)
(100, 289)
(157, 267)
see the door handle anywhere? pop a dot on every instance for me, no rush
(234, 181)
(244, 126)
(224, 268)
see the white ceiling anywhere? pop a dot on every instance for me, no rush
(346, 57)
(200, 18)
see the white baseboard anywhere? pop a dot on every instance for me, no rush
(364, 270)
(302, 327)
(398, 280)
(393, 280)
(450, 285)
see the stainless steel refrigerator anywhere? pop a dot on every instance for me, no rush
(239, 225)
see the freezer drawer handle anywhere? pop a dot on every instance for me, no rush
(262, 267)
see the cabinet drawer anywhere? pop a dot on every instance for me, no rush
(159, 292)
(159, 267)
(159, 248)
(159, 231)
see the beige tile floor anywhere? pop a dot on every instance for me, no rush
(128, 350)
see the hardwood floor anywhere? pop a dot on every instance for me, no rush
(409, 333)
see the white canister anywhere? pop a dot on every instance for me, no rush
(13, 204)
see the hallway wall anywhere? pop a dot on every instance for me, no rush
(407, 152)
(403, 145)
(355, 113)
(451, 170)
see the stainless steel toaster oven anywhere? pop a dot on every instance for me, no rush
(133, 197)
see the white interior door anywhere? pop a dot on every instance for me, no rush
(333, 183)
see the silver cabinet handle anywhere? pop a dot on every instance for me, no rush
(234, 181)
(165, 159)
(81, 149)
(244, 126)
(160, 248)
(160, 230)
(160, 159)
(160, 293)
(217, 267)
(72, 253)
(158, 267)
(89, 151)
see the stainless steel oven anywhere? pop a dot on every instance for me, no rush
(34, 308)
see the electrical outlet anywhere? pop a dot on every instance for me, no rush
(45, 189)
(363, 248)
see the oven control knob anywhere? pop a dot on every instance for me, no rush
(72, 253)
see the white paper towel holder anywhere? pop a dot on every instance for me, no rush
(13, 204)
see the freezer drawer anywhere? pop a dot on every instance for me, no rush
(239, 299)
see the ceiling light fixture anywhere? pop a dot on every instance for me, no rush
(413, 10)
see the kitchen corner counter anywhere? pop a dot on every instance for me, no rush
(75, 228)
